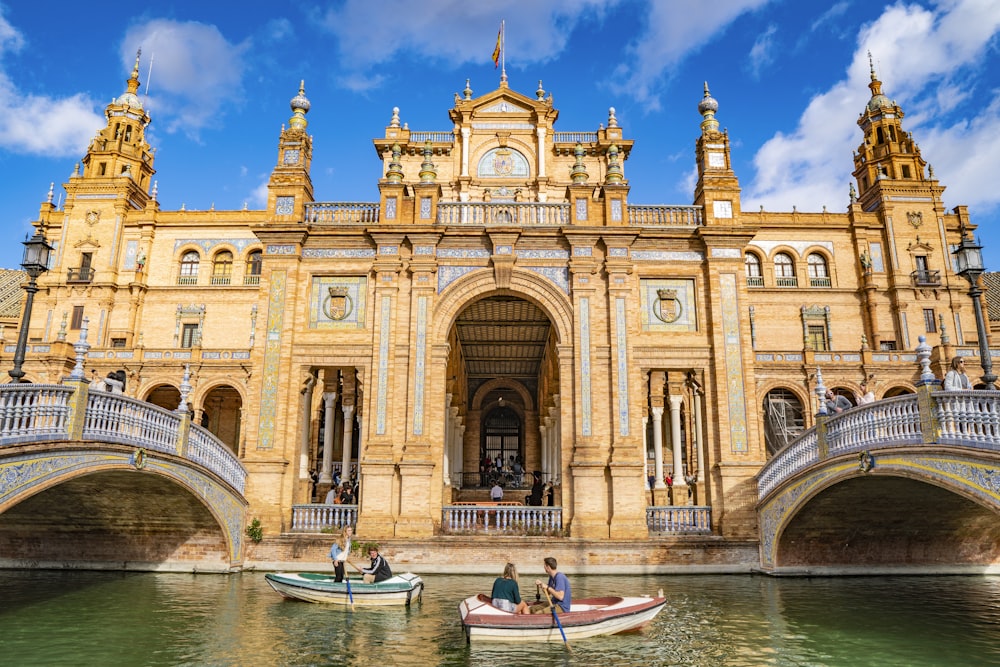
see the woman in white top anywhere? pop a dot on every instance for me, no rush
(340, 551)
(867, 395)
(956, 379)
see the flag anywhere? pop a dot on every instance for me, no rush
(496, 50)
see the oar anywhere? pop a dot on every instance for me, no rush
(350, 595)
(556, 617)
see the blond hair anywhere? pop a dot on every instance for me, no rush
(509, 571)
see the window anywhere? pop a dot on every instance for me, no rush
(818, 274)
(816, 337)
(784, 270)
(784, 419)
(906, 171)
(222, 268)
(252, 276)
(77, 320)
(189, 268)
(754, 276)
(189, 335)
(117, 342)
(930, 321)
(887, 345)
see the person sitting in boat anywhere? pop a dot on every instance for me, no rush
(340, 551)
(506, 594)
(557, 587)
(379, 570)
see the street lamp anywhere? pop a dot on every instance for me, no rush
(969, 256)
(34, 263)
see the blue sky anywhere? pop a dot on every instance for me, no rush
(790, 77)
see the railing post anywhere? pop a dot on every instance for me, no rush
(77, 404)
(930, 426)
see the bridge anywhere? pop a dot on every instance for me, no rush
(902, 484)
(101, 480)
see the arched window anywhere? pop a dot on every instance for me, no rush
(754, 276)
(784, 270)
(818, 274)
(252, 276)
(222, 268)
(189, 268)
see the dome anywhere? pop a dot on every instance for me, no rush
(129, 100)
(708, 103)
(300, 101)
(878, 101)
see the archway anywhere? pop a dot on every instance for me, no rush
(221, 410)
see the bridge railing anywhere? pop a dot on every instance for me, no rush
(314, 517)
(41, 413)
(30, 412)
(964, 418)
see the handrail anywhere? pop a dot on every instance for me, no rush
(342, 212)
(665, 215)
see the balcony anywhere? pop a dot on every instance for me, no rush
(82, 274)
(755, 281)
(820, 281)
(509, 213)
(926, 278)
(187, 280)
(786, 281)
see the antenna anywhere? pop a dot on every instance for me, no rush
(149, 75)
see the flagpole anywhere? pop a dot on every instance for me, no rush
(503, 50)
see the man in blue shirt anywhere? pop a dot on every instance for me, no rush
(558, 585)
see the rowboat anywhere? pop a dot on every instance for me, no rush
(316, 587)
(588, 617)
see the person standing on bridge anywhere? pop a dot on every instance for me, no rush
(956, 379)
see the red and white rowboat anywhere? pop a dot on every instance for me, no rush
(588, 617)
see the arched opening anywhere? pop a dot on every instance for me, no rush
(221, 410)
(784, 419)
(505, 377)
(165, 396)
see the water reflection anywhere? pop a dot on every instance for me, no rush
(94, 618)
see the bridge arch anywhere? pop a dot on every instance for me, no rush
(933, 507)
(102, 504)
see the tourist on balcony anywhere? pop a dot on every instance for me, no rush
(956, 379)
(535, 498)
(867, 395)
(835, 403)
(379, 569)
(549, 493)
(506, 594)
(332, 495)
(496, 493)
(340, 552)
(347, 495)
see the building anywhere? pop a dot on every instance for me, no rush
(501, 299)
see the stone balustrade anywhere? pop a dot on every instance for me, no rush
(660, 215)
(504, 519)
(315, 517)
(679, 519)
(506, 213)
(342, 212)
(40, 413)
(957, 418)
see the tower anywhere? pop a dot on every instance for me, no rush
(290, 187)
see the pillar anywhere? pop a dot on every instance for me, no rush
(326, 472)
(680, 495)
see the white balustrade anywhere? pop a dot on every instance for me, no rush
(342, 212)
(203, 448)
(33, 412)
(679, 519)
(664, 215)
(506, 213)
(314, 517)
(506, 519)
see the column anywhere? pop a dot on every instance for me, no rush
(345, 466)
(541, 151)
(326, 473)
(304, 431)
(449, 442)
(658, 447)
(699, 438)
(466, 133)
(645, 452)
(360, 443)
(460, 440)
(680, 486)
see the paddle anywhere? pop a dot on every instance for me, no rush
(556, 617)
(350, 595)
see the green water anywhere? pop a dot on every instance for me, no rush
(91, 618)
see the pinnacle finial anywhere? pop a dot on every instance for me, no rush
(300, 107)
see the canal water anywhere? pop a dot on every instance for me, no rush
(123, 619)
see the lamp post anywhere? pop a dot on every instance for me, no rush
(970, 266)
(35, 262)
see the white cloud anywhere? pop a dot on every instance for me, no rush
(675, 29)
(38, 124)
(762, 52)
(197, 73)
(922, 56)
(536, 32)
(258, 196)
